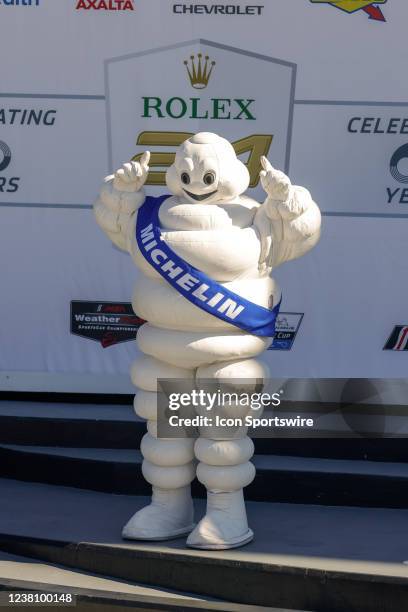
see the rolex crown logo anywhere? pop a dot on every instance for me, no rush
(199, 70)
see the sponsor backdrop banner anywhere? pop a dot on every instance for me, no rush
(316, 86)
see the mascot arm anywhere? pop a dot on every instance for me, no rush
(120, 197)
(292, 216)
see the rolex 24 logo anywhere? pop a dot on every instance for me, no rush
(196, 86)
(106, 5)
(351, 6)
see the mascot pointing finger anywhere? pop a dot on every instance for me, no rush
(205, 253)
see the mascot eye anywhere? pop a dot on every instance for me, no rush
(209, 178)
(185, 178)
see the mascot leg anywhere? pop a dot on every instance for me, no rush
(224, 462)
(225, 467)
(168, 464)
(225, 523)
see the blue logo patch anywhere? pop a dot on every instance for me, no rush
(287, 327)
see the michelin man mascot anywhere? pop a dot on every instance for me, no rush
(205, 254)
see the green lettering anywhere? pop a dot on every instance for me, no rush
(219, 107)
(152, 104)
(243, 105)
(194, 110)
(170, 111)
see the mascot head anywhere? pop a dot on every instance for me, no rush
(206, 170)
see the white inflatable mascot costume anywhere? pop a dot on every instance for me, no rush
(205, 254)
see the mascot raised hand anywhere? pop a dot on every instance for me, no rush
(205, 254)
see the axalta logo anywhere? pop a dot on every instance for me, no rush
(105, 5)
(20, 2)
(369, 7)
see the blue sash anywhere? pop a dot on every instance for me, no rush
(194, 285)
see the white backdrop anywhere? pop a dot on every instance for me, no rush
(326, 97)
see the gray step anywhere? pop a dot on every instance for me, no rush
(303, 557)
(22, 574)
(116, 426)
(55, 424)
(278, 478)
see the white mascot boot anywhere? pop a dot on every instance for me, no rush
(168, 464)
(225, 467)
(206, 227)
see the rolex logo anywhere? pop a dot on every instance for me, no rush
(199, 70)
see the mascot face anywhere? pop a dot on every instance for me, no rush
(207, 171)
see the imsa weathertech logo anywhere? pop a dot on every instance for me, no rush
(106, 5)
(106, 322)
(351, 6)
(398, 341)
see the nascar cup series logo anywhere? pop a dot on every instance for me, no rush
(158, 98)
(370, 7)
